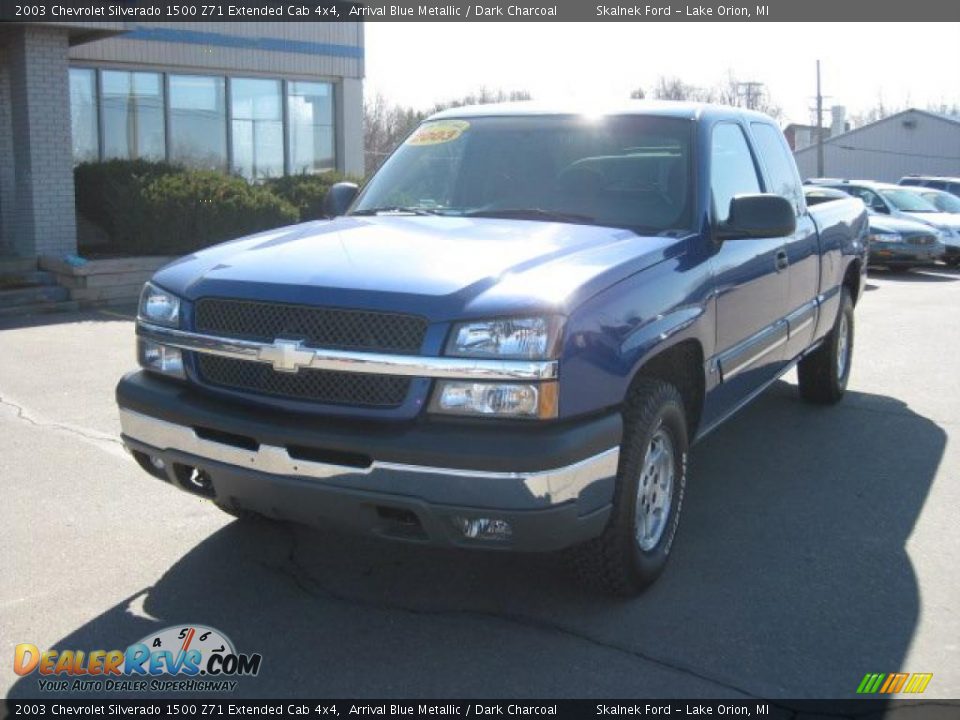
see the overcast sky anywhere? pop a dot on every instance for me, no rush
(418, 64)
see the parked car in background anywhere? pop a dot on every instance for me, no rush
(817, 194)
(941, 199)
(949, 206)
(892, 242)
(893, 201)
(947, 184)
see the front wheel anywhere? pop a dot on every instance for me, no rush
(823, 374)
(651, 479)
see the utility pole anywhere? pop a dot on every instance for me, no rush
(751, 92)
(819, 125)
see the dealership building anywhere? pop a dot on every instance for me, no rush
(912, 142)
(259, 99)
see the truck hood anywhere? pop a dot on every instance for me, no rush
(439, 267)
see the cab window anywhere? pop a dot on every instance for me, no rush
(732, 171)
(784, 180)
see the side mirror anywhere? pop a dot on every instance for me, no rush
(338, 198)
(758, 216)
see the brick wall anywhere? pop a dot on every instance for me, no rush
(36, 165)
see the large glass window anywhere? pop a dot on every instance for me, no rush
(732, 171)
(310, 112)
(83, 115)
(132, 115)
(198, 121)
(257, 117)
(132, 107)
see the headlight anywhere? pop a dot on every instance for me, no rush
(511, 400)
(159, 306)
(888, 237)
(530, 338)
(160, 358)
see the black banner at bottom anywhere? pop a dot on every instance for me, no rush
(658, 709)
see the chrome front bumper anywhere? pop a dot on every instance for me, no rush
(549, 487)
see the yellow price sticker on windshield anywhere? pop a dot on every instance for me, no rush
(438, 132)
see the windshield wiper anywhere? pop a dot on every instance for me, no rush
(396, 209)
(530, 214)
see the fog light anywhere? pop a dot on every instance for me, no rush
(514, 400)
(483, 528)
(157, 462)
(160, 358)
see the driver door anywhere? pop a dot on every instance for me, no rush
(750, 282)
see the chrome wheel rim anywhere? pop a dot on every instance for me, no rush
(655, 491)
(843, 347)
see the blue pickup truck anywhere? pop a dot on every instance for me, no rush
(509, 339)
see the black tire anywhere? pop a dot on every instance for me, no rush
(822, 381)
(615, 561)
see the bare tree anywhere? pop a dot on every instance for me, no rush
(385, 125)
(673, 88)
(748, 94)
(484, 96)
(883, 109)
(945, 108)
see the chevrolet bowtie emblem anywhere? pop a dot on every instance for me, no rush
(286, 355)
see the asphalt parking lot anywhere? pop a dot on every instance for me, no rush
(816, 545)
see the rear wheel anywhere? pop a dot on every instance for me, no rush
(824, 373)
(651, 479)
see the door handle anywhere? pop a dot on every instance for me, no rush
(780, 260)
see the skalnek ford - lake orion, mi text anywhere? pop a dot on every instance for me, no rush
(711, 11)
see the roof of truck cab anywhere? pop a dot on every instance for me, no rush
(662, 108)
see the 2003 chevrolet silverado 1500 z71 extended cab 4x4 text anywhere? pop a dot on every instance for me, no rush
(509, 339)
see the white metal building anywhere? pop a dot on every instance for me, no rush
(911, 142)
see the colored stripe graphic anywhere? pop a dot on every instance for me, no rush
(893, 683)
(918, 683)
(870, 683)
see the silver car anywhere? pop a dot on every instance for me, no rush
(893, 242)
(898, 201)
(948, 221)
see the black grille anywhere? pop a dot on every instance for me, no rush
(920, 239)
(317, 327)
(321, 386)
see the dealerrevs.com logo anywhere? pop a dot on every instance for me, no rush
(182, 658)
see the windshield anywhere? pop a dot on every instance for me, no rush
(944, 202)
(908, 201)
(629, 171)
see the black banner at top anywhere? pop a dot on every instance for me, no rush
(852, 11)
